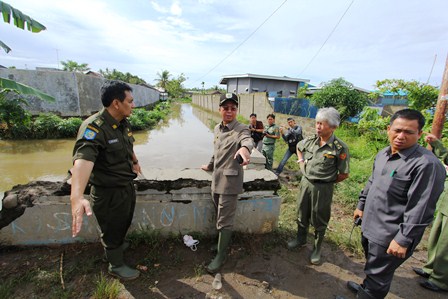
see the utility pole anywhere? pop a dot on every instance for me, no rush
(439, 116)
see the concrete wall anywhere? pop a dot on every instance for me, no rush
(76, 94)
(248, 103)
(184, 205)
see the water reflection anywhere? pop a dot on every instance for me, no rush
(23, 161)
(186, 142)
(183, 141)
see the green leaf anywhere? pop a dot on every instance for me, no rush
(5, 47)
(19, 18)
(25, 89)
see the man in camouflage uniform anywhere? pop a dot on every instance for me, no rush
(324, 161)
(436, 268)
(104, 157)
(271, 134)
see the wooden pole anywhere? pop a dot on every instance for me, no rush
(442, 103)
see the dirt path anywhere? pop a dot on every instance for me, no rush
(254, 269)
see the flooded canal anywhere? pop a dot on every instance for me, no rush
(182, 141)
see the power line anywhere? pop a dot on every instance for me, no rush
(432, 68)
(331, 33)
(245, 40)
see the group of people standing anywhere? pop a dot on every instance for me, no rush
(264, 138)
(396, 205)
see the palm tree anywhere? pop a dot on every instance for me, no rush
(73, 66)
(19, 21)
(163, 79)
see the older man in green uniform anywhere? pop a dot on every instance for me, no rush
(271, 134)
(232, 147)
(436, 268)
(103, 156)
(324, 161)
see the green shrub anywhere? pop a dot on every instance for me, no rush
(141, 119)
(45, 126)
(13, 117)
(20, 131)
(69, 127)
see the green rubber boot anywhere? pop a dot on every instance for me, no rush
(223, 242)
(117, 267)
(300, 241)
(315, 255)
(124, 246)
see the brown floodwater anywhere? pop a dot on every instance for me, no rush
(182, 141)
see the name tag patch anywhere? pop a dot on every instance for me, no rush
(112, 141)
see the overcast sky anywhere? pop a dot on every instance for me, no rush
(207, 39)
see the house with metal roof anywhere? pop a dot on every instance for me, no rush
(273, 85)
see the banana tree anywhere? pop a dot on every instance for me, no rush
(10, 85)
(20, 19)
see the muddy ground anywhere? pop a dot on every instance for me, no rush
(260, 269)
(258, 266)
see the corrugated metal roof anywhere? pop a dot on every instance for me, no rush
(284, 78)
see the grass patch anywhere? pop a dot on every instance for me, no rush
(106, 288)
(7, 289)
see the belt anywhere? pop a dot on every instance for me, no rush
(319, 181)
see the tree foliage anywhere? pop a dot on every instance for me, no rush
(12, 114)
(341, 95)
(301, 91)
(420, 96)
(20, 20)
(175, 87)
(125, 77)
(374, 126)
(73, 66)
(163, 78)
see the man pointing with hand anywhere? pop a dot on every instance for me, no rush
(104, 157)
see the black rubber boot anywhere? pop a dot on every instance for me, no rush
(362, 294)
(223, 242)
(117, 267)
(300, 241)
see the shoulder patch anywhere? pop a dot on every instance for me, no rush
(337, 144)
(89, 134)
(93, 128)
(343, 156)
(98, 122)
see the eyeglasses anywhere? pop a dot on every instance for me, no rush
(227, 108)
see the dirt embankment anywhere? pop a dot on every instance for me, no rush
(258, 266)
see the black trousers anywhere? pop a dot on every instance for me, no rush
(113, 208)
(380, 268)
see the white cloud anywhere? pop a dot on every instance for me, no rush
(175, 9)
(375, 40)
(158, 8)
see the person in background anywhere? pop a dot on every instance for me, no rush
(292, 136)
(324, 161)
(232, 148)
(103, 156)
(436, 268)
(256, 131)
(271, 134)
(397, 203)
